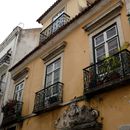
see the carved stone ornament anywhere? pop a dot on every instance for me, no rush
(78, 118)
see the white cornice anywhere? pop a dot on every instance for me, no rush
(53, 51)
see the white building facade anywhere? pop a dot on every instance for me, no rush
(16, 46)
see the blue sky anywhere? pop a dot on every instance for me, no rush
(14, 12)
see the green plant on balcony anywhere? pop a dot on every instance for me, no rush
(109, 69)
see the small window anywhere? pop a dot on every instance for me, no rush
(18, 94)
(99, 39)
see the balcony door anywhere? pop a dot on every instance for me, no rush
(57, 21)
(106, 44)
(52, 77)
(18, 94)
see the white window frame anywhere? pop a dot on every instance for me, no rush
(18, 83)
(52, 71)
(106, 40)
(61, 69)
(117, 20)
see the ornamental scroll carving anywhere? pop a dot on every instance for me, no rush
(78, 118)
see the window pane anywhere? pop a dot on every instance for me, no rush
(53, 76)
(57, 64)
(49, 68)
(56, 75)
(99, 39)
(100, 57)
(21, 86)
(113, 46)
(49, 80)
(100, 52)
(112, 32)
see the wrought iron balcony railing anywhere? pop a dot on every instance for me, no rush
(48, 98)
(107, 73)
(5, 59)
(54, 26)
(12, 112)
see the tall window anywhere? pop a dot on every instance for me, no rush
(106, 43)
(18, 94)
(53, 72)
(52, 77)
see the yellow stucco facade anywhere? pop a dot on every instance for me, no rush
(113, 105)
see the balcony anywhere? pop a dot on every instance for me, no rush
(4, 61)
(109, 73)
(48, 98)
(54, 27)
(12, 112)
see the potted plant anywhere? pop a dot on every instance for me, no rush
(110, 68)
